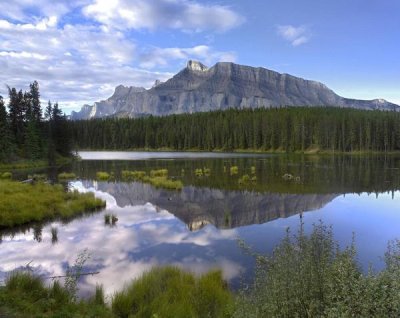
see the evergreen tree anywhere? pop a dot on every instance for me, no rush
(6, 144)
(35, 101)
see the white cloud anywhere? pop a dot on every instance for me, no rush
(153, 14)
(295, 35)
(82, 62)
(159, 57)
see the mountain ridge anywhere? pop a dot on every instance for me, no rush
(197, 88)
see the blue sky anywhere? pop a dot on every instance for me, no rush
(79, 50)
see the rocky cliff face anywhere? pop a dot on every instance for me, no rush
(225, 85)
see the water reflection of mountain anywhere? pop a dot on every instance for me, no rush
(224, 209)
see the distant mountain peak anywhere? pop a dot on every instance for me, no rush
(196, 66)
(198, 88)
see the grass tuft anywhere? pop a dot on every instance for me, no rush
(103, 176)
(5, 175)
(171, 292)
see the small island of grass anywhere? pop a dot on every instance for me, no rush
(157, 178)
(22, 203)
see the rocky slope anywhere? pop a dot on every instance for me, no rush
(198, 88)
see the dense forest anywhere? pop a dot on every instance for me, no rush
(29, 133)
(287, 129)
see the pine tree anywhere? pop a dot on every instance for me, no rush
(6, 144)
(35, 101)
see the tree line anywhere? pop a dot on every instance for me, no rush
(286, 129)
(29, 132)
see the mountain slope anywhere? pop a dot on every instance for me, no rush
(197, 88)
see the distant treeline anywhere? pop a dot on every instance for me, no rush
(277, 129)
(27, 132)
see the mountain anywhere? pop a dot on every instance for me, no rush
(198, 88)
(198, 206)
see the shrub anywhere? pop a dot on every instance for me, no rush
(309, 276)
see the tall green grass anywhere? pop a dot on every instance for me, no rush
(22, 203)
(26, 295)
(162, 292)
(171, 292)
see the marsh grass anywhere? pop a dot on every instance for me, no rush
(66, 176)
(132, 175)
(233, 170)
(309, 276)
(26, 295)
(171, 292)
(22, 203)
(157, 178)
(159, 173)
(5, 175)
(103, 176)
(198, 172)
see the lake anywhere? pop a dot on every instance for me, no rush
(198, 228)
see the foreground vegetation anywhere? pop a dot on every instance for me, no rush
(22, 203)
(306, 276)
(309, 276)
(163, 292)
(29, 135)
(279, 129)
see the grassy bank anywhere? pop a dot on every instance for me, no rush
(21, 203)
(163, 292)
(32, 164)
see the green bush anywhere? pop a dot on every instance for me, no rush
(170, 292)
(309, 276)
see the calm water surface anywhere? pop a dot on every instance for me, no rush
(197, 228)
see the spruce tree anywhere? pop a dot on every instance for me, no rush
(6, 145)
